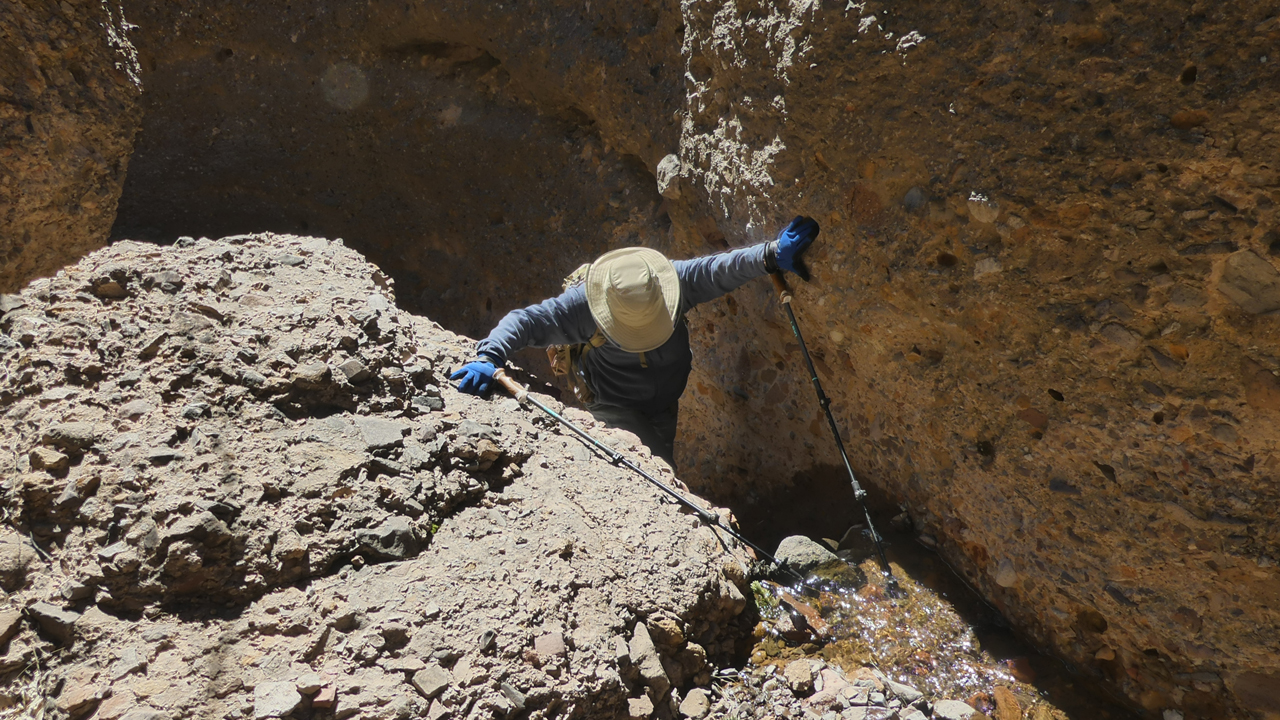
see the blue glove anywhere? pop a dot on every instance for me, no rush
(475, 376)
(792, 242)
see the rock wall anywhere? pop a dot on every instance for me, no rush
(68, 115)
(1044, 306)
(237, 483)
(1045, 294)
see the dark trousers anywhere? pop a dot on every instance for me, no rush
(656, 430)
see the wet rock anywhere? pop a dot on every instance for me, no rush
(906, 693)
(952, 710)
(802, 554)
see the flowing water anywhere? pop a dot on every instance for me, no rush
(937, 635)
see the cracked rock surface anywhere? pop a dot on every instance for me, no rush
(238, 486)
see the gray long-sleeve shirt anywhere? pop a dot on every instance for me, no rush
(613, 374)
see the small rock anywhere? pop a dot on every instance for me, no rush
(309, 683)
(136, 409)
(58, 623)
(550, 645)
(799, 675)
(43, 458)
(430, 681)
(911, 713)
(983, 209)
(803, 554)
(952, 710)
(355, 371)
(906, 693)
(195, 410)
(130, 661)
(312, 375)
(639, 708)
(1007, 705)
(645, 657)
(275, 699)
(986, 266)
(381, 434)
(288, 259)
(394, 539)
(516, 697)
(72, 436)
(15, 558)
(10, 623)
(696, 704)
(326, 698)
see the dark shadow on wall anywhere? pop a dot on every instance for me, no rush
(423, 157)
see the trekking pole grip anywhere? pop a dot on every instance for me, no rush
(517, 391)
(780, 285)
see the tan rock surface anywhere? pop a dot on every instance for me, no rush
(68, 114)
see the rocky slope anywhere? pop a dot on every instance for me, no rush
(238, 486)
(68, 114)
(1045, 295)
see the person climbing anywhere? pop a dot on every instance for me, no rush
(628, 315)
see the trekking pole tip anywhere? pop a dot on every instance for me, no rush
(519, 392)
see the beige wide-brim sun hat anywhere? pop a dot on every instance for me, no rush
(634, 296)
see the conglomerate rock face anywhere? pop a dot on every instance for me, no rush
(243, 488)
(1045, 296)
(68, 115)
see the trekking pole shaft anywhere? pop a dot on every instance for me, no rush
(784, 295)
(521, 394)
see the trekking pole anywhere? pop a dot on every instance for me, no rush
(521, 394)
(784, 295)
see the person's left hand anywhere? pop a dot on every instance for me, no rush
(793, 241)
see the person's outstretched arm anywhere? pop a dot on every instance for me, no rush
(709, 277)
(561, 320)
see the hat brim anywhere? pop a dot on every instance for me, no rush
(631, 338)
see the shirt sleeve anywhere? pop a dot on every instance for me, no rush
(560, 320)
(709, 277)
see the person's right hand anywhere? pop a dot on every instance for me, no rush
(475, 377)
